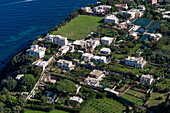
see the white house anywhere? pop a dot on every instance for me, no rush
(41, 64)
(93, 43)
(141, 7)
(63, 50)
(102, 9)
(97, 74)
(122, 6)
(133, 34)
(146, 79)
(58, 39)
(47, 78)
(94, 78)
(155, 37)
(105, 50)
(79, 44)
(36, 51)
(111, 91)
(75, 100)
(105, 7)
(112, 19)
(100, 59)
(18, 77)
(65, 64)
(131, 13)
(87, 57)
(107, 40)
(134, 28)
(87, 9)
(136, 62)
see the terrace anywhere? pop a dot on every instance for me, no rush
(135, 96)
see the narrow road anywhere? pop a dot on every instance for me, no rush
(32, 93)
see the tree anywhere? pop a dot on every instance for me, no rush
(22, 100)
(9, 83)
(5, 91)
(157, 18)
(2, 98)
(65, 86)
(1, 108)
(17, 109)
(44, 99)
(28, 80)
(48, 51)
(38, 71)
(138, 2)
(127, 50)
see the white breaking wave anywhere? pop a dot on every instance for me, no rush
(19, 2)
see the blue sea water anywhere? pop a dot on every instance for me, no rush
(22, 20)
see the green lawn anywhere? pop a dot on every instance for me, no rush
(163, 42)
(79, 27)
(105, 105)
(132, 92)
(35, 111)
(134, 96)
(125, 69)
(153, 101)
(133, 99)
(166, 48)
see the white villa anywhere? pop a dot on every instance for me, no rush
(122, 6)
(18, 77)
(107, 40)
(65, 64)
(105, 50)
(93, 43)
(63, 50)
(98, 9)
(41, 64)
(146, 79)
(112, 19)
(100, 59)
(155, 37)
(75, 100)
(133, 34)
(87, 57)
(141, 7)
(97, 74)
(102, 8)
(79, 44)
(133, 13)
(58, 39)
(94, 78)
(136, 62)
(36, 51)
(87, 9)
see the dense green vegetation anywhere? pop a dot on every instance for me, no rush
(104, 106)
(55, 111)
(77, 26)
(62, 86)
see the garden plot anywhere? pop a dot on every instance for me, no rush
(103, 106)
(135, 96)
